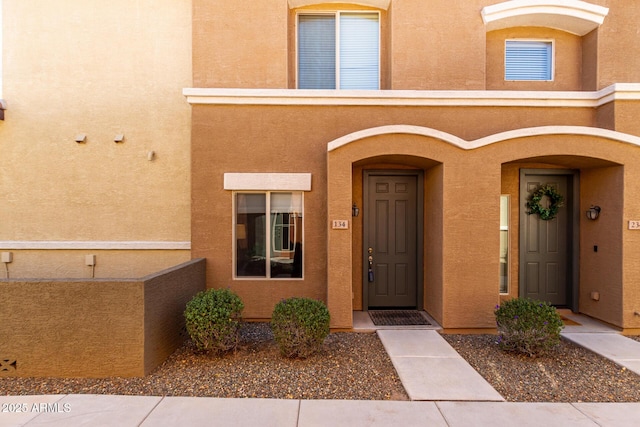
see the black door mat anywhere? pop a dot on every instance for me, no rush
(398, 318)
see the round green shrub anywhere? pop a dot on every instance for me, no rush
(300, 326)
(213, 319)
(528, 327)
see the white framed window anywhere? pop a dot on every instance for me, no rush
(528, 60)
(268, 234)
(504, 243)
(338, 50)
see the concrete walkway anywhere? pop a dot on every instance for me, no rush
(603, 340)
(430, 369)
(444, 389)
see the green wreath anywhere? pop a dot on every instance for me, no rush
(535, 207)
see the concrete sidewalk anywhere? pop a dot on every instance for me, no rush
(149, 411)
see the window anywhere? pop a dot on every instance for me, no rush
(268, 246)
(528, 60)
(504, 244)
(339, 50)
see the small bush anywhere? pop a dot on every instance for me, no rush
(300, 326)
(528, 327)
(213, 320)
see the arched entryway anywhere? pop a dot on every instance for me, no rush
(464, 182)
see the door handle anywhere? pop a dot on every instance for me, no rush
(371, 276)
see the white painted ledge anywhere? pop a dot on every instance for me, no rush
(430, 98)
(93, 245)
(573, 16)
(267, 181)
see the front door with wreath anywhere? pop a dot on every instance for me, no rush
(545, 238)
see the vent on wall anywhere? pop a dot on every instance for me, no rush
(8, 366)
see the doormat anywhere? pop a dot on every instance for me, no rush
(398, 318)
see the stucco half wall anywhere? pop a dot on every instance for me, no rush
(462, 178)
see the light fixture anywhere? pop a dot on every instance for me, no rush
(151, 155)
(593, 212)
(80, 138)
(354, 210)
(118, 138)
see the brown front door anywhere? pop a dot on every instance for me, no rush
(545, 256)
(390, 240)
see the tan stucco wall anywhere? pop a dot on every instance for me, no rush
(95, 328)
(100, 68)
(612, 268)
(166, 295)
(461, 267)
(618, 47)
(475, 276)
(439, 45)
(65, 263)
(240, 44)
(590, 61)
(285, 149)
(73, 328)
(602, 271)
(457, 292)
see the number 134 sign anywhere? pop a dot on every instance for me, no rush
(340, 224)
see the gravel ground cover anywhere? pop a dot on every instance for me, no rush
(569, 374)
(352, 366)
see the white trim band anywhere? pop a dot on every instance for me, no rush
(93, 245)
(267, 181)
(487, 140)
(443, 98)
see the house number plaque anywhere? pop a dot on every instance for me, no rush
(634, 225)
(340, 224)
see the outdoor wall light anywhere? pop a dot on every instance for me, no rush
(593, 212)
(354, 210)
(80, 138)
(118, 138)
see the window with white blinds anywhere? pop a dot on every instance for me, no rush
(339, 50)
(528, 60)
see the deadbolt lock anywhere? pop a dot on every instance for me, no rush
(370, 251)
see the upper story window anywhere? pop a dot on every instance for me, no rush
(338, 50)
(528, 60)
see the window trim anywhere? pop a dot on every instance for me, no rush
(336, 14)
(379, 4)
(550, 42)
(234, 241)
